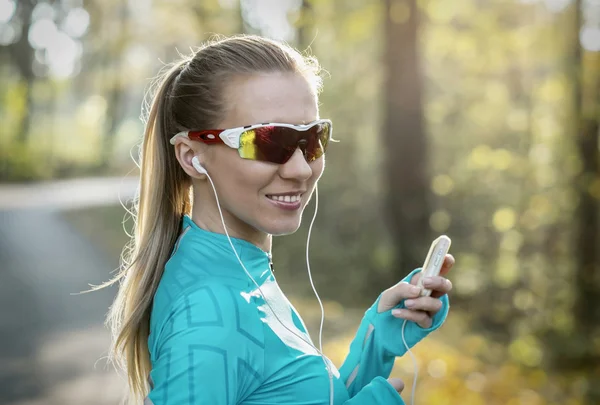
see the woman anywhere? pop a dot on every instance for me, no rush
(199, 317)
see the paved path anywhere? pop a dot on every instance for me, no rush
(52, 343)
(67, 194)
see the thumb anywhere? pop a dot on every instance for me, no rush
(397, 383)
(394, 295)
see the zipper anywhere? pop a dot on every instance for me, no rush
(271, 262)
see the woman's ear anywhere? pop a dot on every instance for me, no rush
(185, 151)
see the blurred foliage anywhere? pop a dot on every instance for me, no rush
(507, 85)
(456, 363)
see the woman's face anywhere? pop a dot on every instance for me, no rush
(245, 187)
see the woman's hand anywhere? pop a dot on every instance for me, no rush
(397, 383)
(418, 309)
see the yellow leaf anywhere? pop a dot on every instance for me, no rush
(504, 219)
(442, 184)
(440, 221)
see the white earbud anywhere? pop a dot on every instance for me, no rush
(198, 166)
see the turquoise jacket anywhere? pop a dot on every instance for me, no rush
(213, 340)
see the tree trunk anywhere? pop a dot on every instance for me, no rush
(404, 140)
(24, 125)
(303, 31)
(22, 54)
(586, 80)
(116, 96)
(241, 24)
(587, 278)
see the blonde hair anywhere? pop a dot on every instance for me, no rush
(186, 95)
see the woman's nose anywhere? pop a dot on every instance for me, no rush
(296, 167)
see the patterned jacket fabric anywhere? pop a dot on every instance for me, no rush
(214, 340)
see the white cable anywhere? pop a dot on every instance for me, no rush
(416, 366)
(317, 294)
(265, 298)
(308, 267)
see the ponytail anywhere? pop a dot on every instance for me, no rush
(164, 196)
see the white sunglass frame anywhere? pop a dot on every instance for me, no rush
(231, 137)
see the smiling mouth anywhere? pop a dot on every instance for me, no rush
(285, 198)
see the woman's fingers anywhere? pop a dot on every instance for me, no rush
(421, 318)
(427, 304)
(446, 266)
(393, 295)
(438, 286)
(405, 291)
(397, 383)
(448, 263)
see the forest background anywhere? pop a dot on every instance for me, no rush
(476, 119)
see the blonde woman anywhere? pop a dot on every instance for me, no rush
(232, 152)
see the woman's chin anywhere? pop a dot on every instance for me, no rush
(284, 227)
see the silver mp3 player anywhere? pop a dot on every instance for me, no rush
(434, 261)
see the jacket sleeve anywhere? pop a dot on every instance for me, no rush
(210, 350)
(377, 391)
(378, 342)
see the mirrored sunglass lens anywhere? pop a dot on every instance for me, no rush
(266, 144)
(278, 144)
(324, 135)
(318, 140)
(248, 149)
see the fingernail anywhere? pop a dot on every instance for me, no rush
(427, 280)
(409, 303)
(397, 312)
(414, 289)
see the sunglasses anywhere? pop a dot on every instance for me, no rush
(271, 142)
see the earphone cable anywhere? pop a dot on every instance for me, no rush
(416, 366)
(264, 297)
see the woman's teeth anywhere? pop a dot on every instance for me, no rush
(285, 198)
